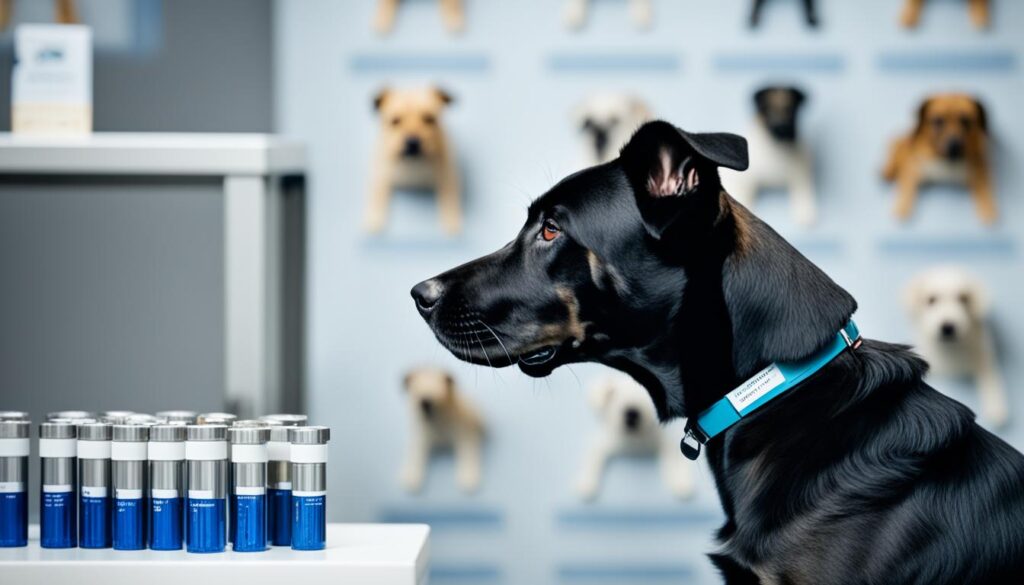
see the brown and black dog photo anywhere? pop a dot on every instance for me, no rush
(949, 144)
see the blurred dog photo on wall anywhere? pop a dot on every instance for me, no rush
(413, 152)
(779, 156)
(441, 418)
(978, 10)
(810, 12)
(630, 427)
(452, 14)
(949, 145)
(949, 309)
(640, 12)
(606, 121)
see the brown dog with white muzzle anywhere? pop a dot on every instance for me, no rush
(948, 145)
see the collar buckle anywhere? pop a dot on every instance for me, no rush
(692, 441)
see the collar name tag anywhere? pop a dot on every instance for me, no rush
(757, 391)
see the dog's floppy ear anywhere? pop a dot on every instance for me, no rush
(782, 307)
(667, 166)
(799, 96)
(922, 112)
(600, 394)
(407, 380)
(913, 293)
(378, 99)
(445, 97)
(977, 301)
(982, 115)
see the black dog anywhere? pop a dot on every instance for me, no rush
(809, 13)
(861, 474)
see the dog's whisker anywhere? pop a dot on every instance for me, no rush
(498, 339)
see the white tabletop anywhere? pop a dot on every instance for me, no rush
(151, 153)
(357, 554)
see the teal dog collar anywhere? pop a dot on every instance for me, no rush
(760, 389)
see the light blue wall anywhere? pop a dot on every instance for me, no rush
(516, 74)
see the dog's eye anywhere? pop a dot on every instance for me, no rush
(965, 121)
(938, 123)
(933, 299)
(965, 299)
(550, 230)
(396, 120)
(429, 119)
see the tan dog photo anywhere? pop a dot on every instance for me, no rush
(413, 152)
(630, 427)
(948, 145)
(441, 419)
(949, 309)
(977, 9)
(452, 14)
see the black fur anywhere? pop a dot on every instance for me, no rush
(863, 474)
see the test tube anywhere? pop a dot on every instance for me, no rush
(167, 486)
(249, 487)
(58, 451)
(129, 454)
(94, 489)
(308, 455)
(14, 452)
(206, 454)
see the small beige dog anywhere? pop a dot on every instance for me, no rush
(442, 418)
(413, 152)
(606, 122)
(949, 309)
(629, 426)
(452, 13)
(639, 10)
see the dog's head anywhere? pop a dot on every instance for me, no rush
(777, 107)
(643, 264)
(608, 120)
(952, 125)
(411, 120)
(946, 303)
(623, 404)
(429, 389)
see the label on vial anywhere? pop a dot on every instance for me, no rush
(92, 491)
(11, 487)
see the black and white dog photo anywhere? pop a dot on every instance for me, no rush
(852, 471)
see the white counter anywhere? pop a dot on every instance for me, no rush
(356, 554)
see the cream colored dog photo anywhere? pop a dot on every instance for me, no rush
(950, 309)
(441, 419)
(640, 12)
(630, 427)
(606, 122)
(452, 14)
(413, 152)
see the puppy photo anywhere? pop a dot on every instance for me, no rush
(835, 462)
(949, 309)
(413, 152)
(606, 121)
(977, 9)
(441, 419)
(810, 12)
(779, 159)
(948, 145)
(640, 12)
(630, 427)
(452, 14)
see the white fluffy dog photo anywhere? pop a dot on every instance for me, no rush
(441, 419)
(630, 427)
(949, 309)
(606, 121)
(779, 157)
(640, 11)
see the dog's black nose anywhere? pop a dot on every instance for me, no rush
(426, 294)
(412, 147)
(427, 408)
(955, 149)
(947, 331)
(632, 418)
